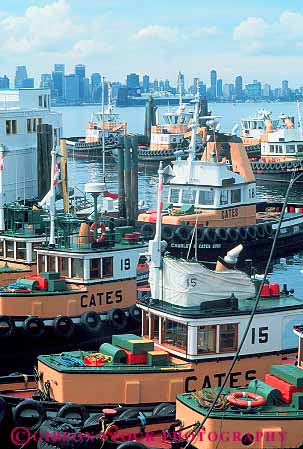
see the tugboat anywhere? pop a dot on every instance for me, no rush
(103, 125)
(266, 413)
(281, 153)
(83, 289)
(255, 130)
(190, 332)
(211, 204)
(171, 140)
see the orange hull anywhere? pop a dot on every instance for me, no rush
(138, 386)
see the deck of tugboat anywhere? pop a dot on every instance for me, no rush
(54, 362)
(277, 411)
(245, 306)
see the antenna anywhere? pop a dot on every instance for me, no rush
(235, 129)
(300, 117)
(52, 202)
(103, 138)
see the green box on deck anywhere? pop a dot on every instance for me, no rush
(290, 373)
(133, 343)
(56, 285)
(120, 231)
(50, 275)
(157, 358)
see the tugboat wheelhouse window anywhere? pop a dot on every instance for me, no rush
(21, 250)
(95, 268)
(51, 263)
(11, 126)
(206, 197)
(228, 337)
(174, 195)
(188, 196)
(175, 334)
(107, 267)
(10, 249)
(290, 148)
(271, 148)
(77, 268)
(279, 149)
(206, 339)
(1, 248)
(63, 266)
(224, 197)
(300, 148)
(236, 196)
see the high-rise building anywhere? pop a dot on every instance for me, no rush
(59, 68)
(181, 83)
(285, 89)
(4, 82)
(219, 88)
(133, 84)
(145, 83)
(21, 75)
(194, 87)
(253, 90)
(213, 84)
(166, 86)
(227, 91)
(266, 91)
(80, 71)
(156, 86)
(71, 88)
(239, 86)
(202, 90)
(95, 80)
(28, 83)
(46, 81)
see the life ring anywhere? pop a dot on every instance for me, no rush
(221, 234)
(7, 328)
(241, 399)
(183, 233)
(210, 234)
(29, 405)
(91, 322)
(70, 408)
(232, 234)
(260, 230)
(34, 326)
(118, 319)
(135, 313)
(63, 326)
(251, 232)
(167, 233)
(148, 231)
(97, 225)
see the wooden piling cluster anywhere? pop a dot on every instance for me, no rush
(128, 178)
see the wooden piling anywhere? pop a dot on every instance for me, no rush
(44, 148)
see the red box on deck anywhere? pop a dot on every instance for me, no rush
(286, 388)
(41, 281)
(134, 358)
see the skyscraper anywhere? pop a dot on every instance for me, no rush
(95, 80)
(145, 83)
(133, 84)
(80, 71)
(46, 81)
(59, 68)
(213, 84)
(21, 75)
(180, 83)
(4, 82)
(285, 90)
(219, 88)
(71, 88)
(238, 86)
(202, 90)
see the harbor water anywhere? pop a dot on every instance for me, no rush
(89, 170)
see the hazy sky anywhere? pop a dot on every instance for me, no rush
(258, 39)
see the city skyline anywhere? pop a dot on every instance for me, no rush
(116, 37)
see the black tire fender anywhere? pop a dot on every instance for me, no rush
(118, 319)
(63, 326)
(91, 321)
(148, 231)
(10, 328)
(135, 313)
(34, 326)
(29, 404)
(70, 408)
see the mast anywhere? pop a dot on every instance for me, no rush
(103, 138)
(52, 204)
(154, 245)
(300, 118)
(2, 152)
